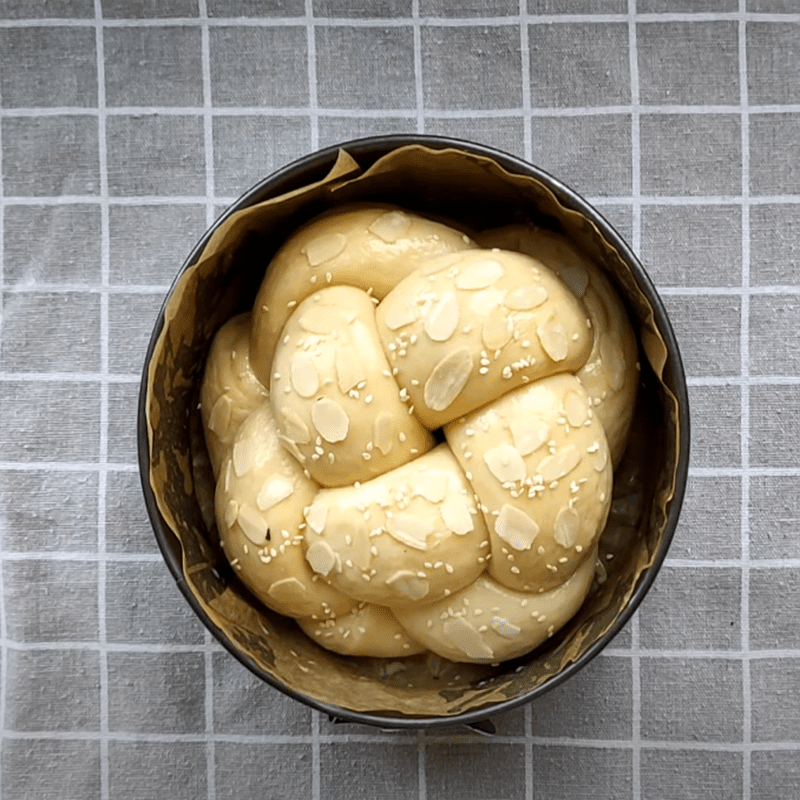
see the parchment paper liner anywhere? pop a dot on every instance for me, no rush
(477, 193)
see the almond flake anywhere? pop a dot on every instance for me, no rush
(442, 320)
(330, 419)
(505, 628)
(529, 434)
(468, 640)
(505, 463)
(554, 339)
(433, 487)
(390, 226)
(383, 432)
(321, 557)
(305, 378)
(524, 298)
(409, 584)
(399, 312)
(497, 330)
(479, 274)
(455, 513)
(288, 591)
(231, 512)
(360, 549)
(275, 489)
(252, 523)
(562, 463)
(576, 409)
(324, 319)
(409, 530)
(448, 379)
(567, 527)
(316, 516)
(324, 248)
(516, 528)
(613, 362)
(483, 302)
(220, 417)
(245, 455)
(349, 369)
(601, 459)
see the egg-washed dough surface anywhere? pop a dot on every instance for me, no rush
(333, 249)
(611, 372)
(485, 342)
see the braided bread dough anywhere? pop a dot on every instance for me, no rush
(337, 501)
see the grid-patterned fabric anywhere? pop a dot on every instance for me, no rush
(126, 127)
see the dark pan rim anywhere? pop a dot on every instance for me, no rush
(365, 151)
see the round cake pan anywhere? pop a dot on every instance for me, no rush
(476, 187)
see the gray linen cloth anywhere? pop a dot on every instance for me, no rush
(126, 127)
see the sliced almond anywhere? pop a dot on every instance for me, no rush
(433, 487)
(479, 274)
(360, 550)
(505, 628)
(466, 638)
(567, 527)
(324, 248)
(456, 516)
(288, 591)
(529, 434)
(304, 375)
(485, 301)
(576, 409)
(391, 226)
(497, 330)
(220, 417)
(330, 420)
(321, 557)
(505, 463)
(252, 523)
(553, 338)
(316, 515)
(349, 368)
(601, 459)
(400, 311)
(245, 456)
(294, 426)
(409, 530)
(383, 432)
(525, 298)
(231, 512)
(447, 379)
(275, 489)
(560, 464)
(442, 320)
(409, 584)
(516, 528)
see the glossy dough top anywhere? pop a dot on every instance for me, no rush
(430, 465)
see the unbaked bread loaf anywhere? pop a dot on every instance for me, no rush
(431, 465)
